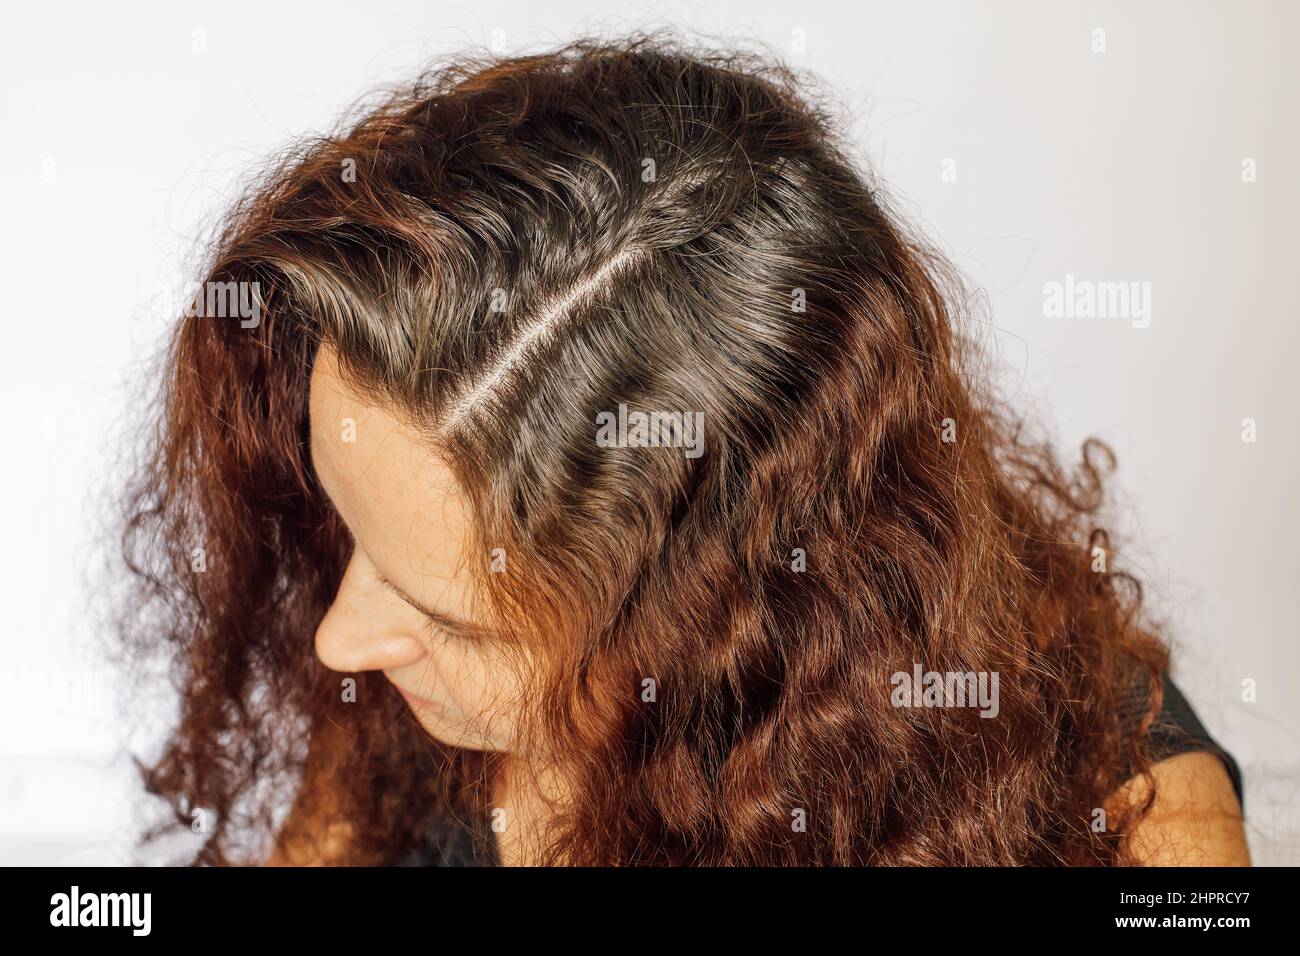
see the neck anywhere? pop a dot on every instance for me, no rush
(523, 801)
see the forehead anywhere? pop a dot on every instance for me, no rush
(398, 498)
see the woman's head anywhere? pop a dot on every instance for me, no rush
(611, 360)
(633, 232)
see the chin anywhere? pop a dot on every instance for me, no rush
(455, 734)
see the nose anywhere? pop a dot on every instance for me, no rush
(367, 628)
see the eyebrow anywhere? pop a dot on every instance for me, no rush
(452, 625)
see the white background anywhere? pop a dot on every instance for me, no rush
(126, 133)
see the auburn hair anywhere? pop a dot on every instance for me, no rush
(502, 252)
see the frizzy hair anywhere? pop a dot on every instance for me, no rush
(501, 252)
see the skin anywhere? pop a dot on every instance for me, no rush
(409, 525)
(1196, 819)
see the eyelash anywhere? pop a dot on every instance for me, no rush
(430, 625)
(432, 629)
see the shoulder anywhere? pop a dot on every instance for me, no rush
(1195, 819)
(1196, 815)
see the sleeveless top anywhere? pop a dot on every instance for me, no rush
(1177, 730)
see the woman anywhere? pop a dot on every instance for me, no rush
(624, 460)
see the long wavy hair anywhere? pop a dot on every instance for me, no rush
(500, 253)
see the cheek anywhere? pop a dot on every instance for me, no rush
(478, 691)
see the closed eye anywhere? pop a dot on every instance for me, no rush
(438, 625)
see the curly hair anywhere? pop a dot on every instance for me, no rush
(501, 252)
